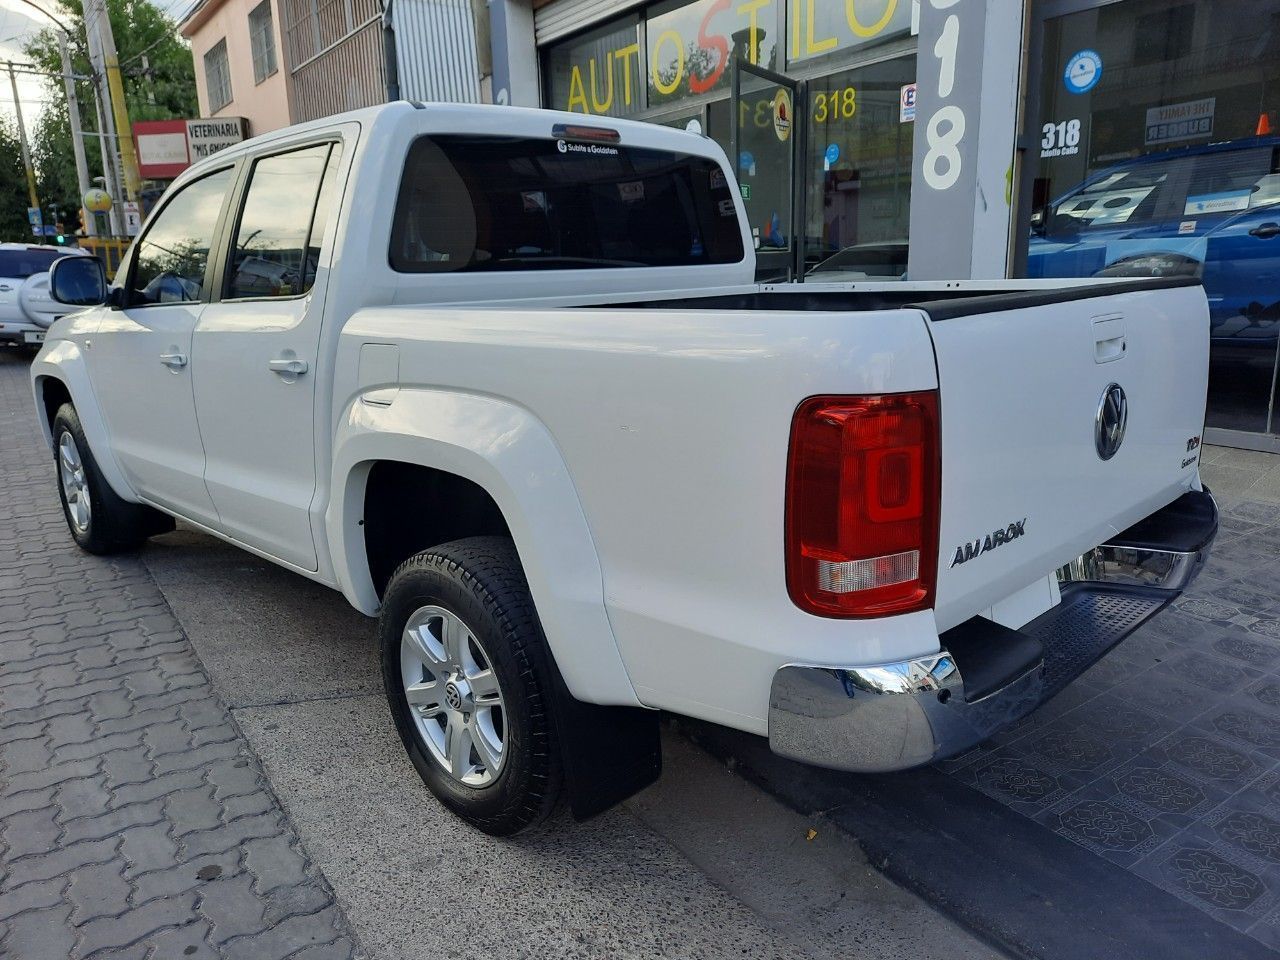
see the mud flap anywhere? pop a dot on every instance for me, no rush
(609, 753)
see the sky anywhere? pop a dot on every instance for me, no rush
(18, 22)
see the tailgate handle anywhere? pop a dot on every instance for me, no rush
(1108, 339)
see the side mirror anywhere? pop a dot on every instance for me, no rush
(78, 281)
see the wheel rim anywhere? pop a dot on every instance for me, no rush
(454, 696)
(75, 486)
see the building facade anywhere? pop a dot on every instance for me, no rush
(935, 139)
(966, 139)
(236, 48)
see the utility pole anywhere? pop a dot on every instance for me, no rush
(101, 25)
(77, 134)
(106, 127)
(22, 137)
(109, 174)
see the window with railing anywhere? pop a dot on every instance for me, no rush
(217, 76)
(262, 41)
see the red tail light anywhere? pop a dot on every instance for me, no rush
(863, 495)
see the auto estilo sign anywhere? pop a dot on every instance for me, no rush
(687, 50)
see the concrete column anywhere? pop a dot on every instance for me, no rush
(968, 71)
(515, 55)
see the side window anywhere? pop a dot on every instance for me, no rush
(170, 260)
(277, 241)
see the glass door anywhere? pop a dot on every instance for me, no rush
(763, 137)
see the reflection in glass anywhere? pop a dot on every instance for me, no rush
(172, 254)
(859, 176)
(1166, 165)
(272, 255)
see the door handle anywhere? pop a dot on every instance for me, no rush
(288, 368)
(1265, 231)
(174, 361)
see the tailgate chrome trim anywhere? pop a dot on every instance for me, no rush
(895, 716)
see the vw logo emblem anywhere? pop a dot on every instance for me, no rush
(1113, 416)
(452, 696)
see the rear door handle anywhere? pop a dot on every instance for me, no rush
(1108, 338)
(174, 361)
(288, 368)
(1265, 231)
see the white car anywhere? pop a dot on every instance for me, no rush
(525, 403)
(26, 309)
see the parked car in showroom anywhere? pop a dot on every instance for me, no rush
(26, 309)
(531, 410)
(1210, 211)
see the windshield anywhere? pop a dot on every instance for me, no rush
(504, 203)
(20, 264)
(1169, 190)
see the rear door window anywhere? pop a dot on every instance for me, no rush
(470, 203)
(20, 264)
(277, 241)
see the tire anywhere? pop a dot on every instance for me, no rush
(99, 521)
(448, 614)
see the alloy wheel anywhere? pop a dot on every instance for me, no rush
(454, 696)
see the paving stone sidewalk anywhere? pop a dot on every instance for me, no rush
(134, 820)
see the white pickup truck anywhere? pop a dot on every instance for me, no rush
(504, 378)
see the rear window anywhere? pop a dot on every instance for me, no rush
(20, 264)
(498, 203)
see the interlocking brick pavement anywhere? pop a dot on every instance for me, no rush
(135, 822)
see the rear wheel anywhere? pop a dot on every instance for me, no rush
(99, 520)
(467, 676)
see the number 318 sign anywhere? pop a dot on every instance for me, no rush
(944, 128)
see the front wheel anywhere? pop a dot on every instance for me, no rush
(99, 520)
(468, 679)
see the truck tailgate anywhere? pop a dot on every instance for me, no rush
(1027, 483)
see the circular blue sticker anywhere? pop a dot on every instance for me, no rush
(746, 160)
(833, 153)
(1083, 72)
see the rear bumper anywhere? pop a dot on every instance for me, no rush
(895, 716)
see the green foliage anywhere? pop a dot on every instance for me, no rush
(159, 84)
(13, 185)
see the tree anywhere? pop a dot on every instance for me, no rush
(156, 69)
(13, 185)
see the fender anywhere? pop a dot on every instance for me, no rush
(63, 361)
(508, 452)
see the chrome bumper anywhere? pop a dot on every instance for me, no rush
(894, 716)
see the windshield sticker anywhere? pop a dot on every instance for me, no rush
(1099, 209)
(718, 179)
(564, 146)
(1224, 201)
(782, 114)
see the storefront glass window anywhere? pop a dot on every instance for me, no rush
(858, 179)
(691, 46)
(1158, 157)
(598, 73)
(819, 27)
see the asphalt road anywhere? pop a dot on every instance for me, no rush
(700, 865)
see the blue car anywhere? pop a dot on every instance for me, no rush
(1210, 211)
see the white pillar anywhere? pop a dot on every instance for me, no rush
(968, 72)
